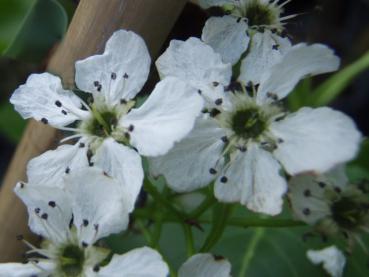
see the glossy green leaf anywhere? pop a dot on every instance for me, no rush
(330, 89)
(29, 28)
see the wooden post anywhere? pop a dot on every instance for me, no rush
(93, 23)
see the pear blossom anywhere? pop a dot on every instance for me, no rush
(245, 140)
(331, 258)
(331, 204)
(71, 221)
(229, 35)
(111, 132)
(205, 265)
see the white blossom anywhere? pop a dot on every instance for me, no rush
(229, 35)
(331, 258)
(112, 133)
(245, 139)
(205, 265)
(71, 220)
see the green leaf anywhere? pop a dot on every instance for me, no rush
(330, 89)
(300, 96)
(11, 123)
(358, 169)
(30, 27)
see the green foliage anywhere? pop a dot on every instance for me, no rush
(29, 28)
(11, 123)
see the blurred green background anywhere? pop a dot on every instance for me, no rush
(30, 31)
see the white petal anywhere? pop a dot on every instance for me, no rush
(227, 36)
(50, 167)
(213, 3)
(140, 262)
(315, 140)
(186, 166)
(97, 200)
(43, 269)
(205, 265)
(196, 63)
(122, 163)
(332, 259)
(165, 118)
(121, 71)
(307, 198)
(257, 175)
(266, 49)
(49, 210)
(42, 97)
(299, 62)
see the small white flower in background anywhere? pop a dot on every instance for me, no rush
(110, 130)
(205, 265)
(228, 35)
(331, 258)
(71, 221)
(246, 139)
(331, 204)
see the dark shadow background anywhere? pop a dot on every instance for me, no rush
(341, 24)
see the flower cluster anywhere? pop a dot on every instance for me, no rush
(215, 119)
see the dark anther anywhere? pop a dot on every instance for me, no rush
(306, 211)
(257, 87)
(204, 110)
(214, 112)
(321, 184)
(134, 148)
(96, 83)
(20, 237)
(224, 179)
(275, 47)
(218, 257)
(127, 136)
(44, 216)
(212, 171)
(307, 193)
(125, 76)
(239, 19)
(280, 140)
(71, 222)
(44, 120)
(123, 101)
(81, 145)
(85, 222)
(215, 84)
(338, 190)
(131, 128)
(58, 103)
(99, 87)
(113, 76)
(96, 227)
(273, 96)
(224, 139)
(242, 148)
(96, 268)
(199, 91)
(283, 33)
(22, 185)
(52, 204)
(64, 112)
(219, 101)
(67, 170)
(37, 210)
(84, 244)
(90, 164)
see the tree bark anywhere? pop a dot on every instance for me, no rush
(92, 25)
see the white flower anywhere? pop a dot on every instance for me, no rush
(110, 130)
(71, 221)
(331, 204)
(228, 35)
(247, 139)
(205, 265)
(332, 259)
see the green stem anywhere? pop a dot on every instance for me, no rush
(205, 205)
(219, 224)
(190, 245)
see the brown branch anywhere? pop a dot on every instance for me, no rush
(93, 23)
